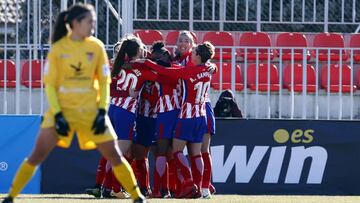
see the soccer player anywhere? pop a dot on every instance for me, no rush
(167, 109)
(191, 125)
(145, 135)
(127, 77)
(183, 53)
(76, 63)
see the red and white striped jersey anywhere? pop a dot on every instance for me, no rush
(127, 79)
(148, 99)
(185, 59)
(196, 83)
(167, 88)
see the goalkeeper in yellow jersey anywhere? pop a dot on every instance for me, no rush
(77, 78)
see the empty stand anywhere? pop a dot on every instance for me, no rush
(226, 77)
(255, 39)
(263, 73)
(329, 40)
(335, 78)
(35, 75)
(355, 43)
(289, 39)
(298, 78)
(148, 37)
(220, 39)
(10, 74)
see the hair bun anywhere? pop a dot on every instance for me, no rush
(158, 45)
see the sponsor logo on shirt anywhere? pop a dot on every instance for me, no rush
(77, 69)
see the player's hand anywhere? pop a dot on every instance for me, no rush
(61, 125)
(99, 125)
(211, 67)
(139, 60)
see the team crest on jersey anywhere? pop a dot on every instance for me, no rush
(90, 56)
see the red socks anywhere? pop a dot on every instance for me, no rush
(161, 168)
(197, 169)
(142, 172)
(207, 170)
(101, 171)
(183, 165)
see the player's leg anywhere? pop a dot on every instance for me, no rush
(161, 168)
(205, 153)
(45, 143)
(197, 164)
(188, 188)
(142, 168)
(100, 175)
(205, 148)
(165, 126)
(121, 168)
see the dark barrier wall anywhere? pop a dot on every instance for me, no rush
(286, 157)
(69, 170)
(249, 157)
(17, 136)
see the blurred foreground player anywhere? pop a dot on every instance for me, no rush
(77, 79)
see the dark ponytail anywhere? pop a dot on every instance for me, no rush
(119, 60)
(60, 29)
(76, 12)
(129, 48)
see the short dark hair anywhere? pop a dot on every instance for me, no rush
(206, 51)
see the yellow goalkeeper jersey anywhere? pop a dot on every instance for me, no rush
(76, 69)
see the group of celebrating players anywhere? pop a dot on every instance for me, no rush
(159, 103)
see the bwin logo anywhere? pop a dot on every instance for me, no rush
(245, 169)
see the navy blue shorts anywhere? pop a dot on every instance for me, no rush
(191, 129)
(145, 131)
(166, 123)
(210, 119)
(123, 122)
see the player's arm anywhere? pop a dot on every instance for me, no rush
(170, 72)
(103, 75)
(50, 77)
(149, 75)
(49, 80)
(211, 67)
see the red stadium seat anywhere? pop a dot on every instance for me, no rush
(220, 39)
(334, 78)
(35, 74)
(289, 39)
(329, 40)
(148, 37)
(10, 74)
(355, 43)
(263, 84)
(172, 36)
(298, 78)
(226, 77)
(255, 39)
